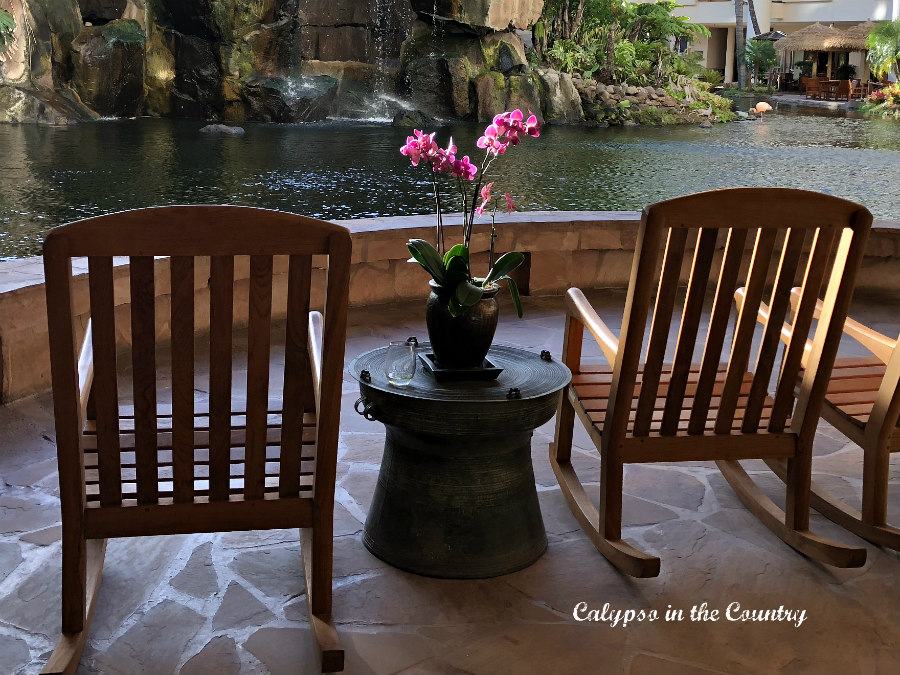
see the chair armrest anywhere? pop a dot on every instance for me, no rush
(314, 345)
(579, 308)
(762, 315)
(880, 345)
(85, 369)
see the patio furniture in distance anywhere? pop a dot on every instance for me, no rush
(456, 495)
(813, 88)
(169, 464)
(863, 403)
(641, 408)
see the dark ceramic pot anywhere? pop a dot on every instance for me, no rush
(461, 341)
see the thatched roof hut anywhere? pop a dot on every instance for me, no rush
(853, 39)
(813, 38)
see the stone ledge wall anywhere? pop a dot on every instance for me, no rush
(584, 249)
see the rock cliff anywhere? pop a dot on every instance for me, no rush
(273, 60)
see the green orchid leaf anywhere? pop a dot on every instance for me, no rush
(428, 257)
(505, 264)
(457, 264)
(514, 294)
(467, 294)
(455, 308)
(458, 251)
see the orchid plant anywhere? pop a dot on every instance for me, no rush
(450, 268)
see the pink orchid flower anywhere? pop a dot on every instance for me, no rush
(485, 198)
(419, 147)
(531, 125)
(463, 168)
(510, 205)
(491, 141)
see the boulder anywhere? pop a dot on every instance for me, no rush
(43, 107)
(359, 87)
(108, 67)
(561, 100)
(197, 85)
(510, 57)
(490, 95)
(524, 94)
(159, 74)
(482, 14)
(429, 85)
(99, 12)
(222, 130)
(412, 119)
(303, 99)
(336, 43)
(349, 30)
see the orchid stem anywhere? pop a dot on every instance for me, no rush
(493, 237)
(439, 242)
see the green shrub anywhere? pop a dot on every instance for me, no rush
(712, 76)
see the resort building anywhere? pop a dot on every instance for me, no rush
(786, 16)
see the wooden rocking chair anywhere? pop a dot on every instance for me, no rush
(184, 467)
(644, 410)
(863, 403)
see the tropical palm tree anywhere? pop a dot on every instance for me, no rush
(884, 48)
(739, 43)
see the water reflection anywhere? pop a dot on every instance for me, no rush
(53, 175)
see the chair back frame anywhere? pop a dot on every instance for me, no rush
(822, 223)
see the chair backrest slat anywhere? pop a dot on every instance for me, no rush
(779, 305)
(816, 267)
(690, 323)
(143, 366)
(718, 327)
(298, 394)
(746, 325)
(659, 329)
(105, 388)
(221, 320)
(182, 317)
(258, 346)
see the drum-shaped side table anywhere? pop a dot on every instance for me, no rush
(456, 496)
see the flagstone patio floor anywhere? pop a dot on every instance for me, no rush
(233, 603)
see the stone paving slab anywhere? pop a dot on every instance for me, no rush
(235, 602)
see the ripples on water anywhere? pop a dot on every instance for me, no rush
(50, 176)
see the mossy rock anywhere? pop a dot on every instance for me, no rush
(490, 96)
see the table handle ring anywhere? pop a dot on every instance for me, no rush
(367, 408)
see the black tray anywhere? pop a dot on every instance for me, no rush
(487, 371)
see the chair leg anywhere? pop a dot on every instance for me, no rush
(82, 573)
(608, 540)
(812, 545)
(315, 547)
(879, 533)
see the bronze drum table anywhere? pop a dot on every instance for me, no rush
(456, 496)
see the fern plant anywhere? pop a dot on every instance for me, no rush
(7, 30)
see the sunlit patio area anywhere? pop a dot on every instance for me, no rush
(234, 603)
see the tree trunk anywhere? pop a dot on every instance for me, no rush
(611, 50)
(579, 17)
(753, 18)
(740, 61)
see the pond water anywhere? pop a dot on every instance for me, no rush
(337, 170)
